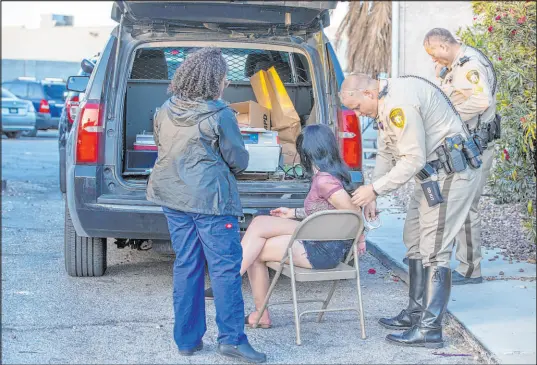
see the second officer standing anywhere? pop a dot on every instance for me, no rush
(468, 79)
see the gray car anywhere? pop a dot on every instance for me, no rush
(106, 175)
(17, 115)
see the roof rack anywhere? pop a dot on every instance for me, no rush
(29, 78)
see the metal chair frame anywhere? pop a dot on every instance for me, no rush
(322, 226)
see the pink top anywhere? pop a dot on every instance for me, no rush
(323, 185)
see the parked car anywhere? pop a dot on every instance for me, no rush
(47, 96)
(68, 115)
(106, 177)
(17, 115)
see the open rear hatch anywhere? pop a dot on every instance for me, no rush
(231, 15)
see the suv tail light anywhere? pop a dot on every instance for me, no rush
(44, 107)
(350, 137)
(89, 135)
(71, 105)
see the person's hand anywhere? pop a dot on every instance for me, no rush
(370, 211)
(361, 245)
(283, 212)
(363, 195)
(437, 68)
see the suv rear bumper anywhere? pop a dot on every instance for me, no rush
(132, 216)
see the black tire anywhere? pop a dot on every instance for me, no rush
(32, 133)
(13, 135)
(83, 256)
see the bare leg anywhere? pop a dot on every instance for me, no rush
(260, 230)
(273, 250)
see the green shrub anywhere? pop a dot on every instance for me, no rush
(505, 32)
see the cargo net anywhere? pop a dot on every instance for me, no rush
(161, 63)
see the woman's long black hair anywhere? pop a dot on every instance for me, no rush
(317, 146)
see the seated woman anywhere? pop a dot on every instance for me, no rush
(267, 237)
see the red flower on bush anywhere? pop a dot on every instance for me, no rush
(513, 32)
(499, 58)
(490, 28)
(523, 120)
(498, 17)
(371, 271)
(521, 20)
(506, 154)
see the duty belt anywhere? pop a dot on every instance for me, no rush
(436, 164)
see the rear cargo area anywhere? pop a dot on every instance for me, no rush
(152, 70)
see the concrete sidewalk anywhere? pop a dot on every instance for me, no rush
(500, 313)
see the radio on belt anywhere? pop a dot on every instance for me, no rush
(264, 149)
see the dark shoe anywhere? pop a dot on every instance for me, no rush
(404, 320)
(428, 332)
(192, 351)
(209, 294)
(243, 352)
(458, 279)
(409, 316)
(418, 337)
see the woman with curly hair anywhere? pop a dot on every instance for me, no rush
(200, 150)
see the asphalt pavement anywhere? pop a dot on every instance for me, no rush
(126, 316)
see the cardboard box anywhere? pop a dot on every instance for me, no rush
(251, 114)
(289, 152)
(270, 92)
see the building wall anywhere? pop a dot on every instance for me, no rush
(416, 19)
(53, 44)
(11, 69)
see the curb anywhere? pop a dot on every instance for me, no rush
(401, 271)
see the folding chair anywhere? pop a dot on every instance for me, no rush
(322, 226)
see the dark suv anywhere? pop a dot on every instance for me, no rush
(47, 96)
(106, 176)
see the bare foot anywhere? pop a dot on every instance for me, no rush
(264, 322)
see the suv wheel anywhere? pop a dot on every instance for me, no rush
(83, 256)
(13, 135)
(32, 133)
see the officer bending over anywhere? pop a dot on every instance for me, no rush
(420, 136)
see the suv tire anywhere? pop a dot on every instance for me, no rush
(13, 135)
(84, 256)
(32, 133)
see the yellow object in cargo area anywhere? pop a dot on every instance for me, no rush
(260, 84)
(271, 93)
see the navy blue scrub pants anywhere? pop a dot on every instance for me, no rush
(196, 239)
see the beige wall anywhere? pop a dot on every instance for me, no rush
(53, 44)
(416, 19)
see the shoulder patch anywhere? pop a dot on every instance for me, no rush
(473, 76)
(397, 117)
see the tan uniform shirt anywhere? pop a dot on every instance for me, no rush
(469, 86)
(414, 119)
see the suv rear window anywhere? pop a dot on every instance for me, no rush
(54, 91)
(161, 63)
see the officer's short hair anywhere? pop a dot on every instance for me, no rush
(442, 34)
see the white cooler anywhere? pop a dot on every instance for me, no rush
(263, 158)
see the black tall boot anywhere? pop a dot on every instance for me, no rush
(428, 332)
(411, 315)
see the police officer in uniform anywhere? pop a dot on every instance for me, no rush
(467, 77)
(416, 120)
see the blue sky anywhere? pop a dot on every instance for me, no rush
(28, 13)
